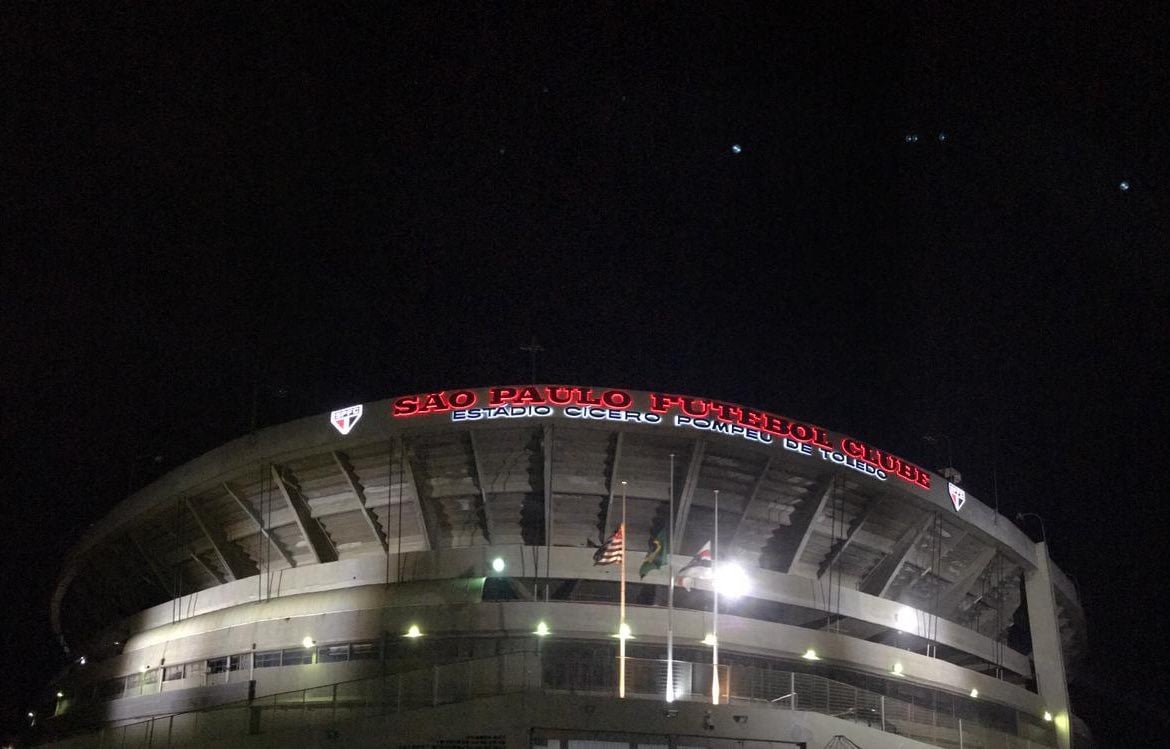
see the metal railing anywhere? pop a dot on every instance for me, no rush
(344, 702)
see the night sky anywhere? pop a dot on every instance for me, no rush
(893, 224)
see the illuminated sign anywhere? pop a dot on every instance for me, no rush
(344, 419)
(958, 496)
(704, 414)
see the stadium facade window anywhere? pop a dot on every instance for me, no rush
(175, 673)
(267, 659)
(333, 653)
(297, 657)
(364, 651)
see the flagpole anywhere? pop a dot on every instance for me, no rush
(622, 615)
(715, 607)
(670, 594)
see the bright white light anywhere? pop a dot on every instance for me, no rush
(897, 669)
(60, 695)
(811, 655)
(1124, 185)
(736, 148)
(498, 564)
(1047, 717)
(307, 642)
(731, 580)
(906, 619)
(414, 631)
(81, 661)
(145, 668)
(974, 694)
(710, 640)
(624, 632)
(541, 630)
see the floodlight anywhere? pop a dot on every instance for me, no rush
(731, 580)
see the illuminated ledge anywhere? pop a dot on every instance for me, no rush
(465, 569)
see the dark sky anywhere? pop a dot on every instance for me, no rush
(351, 204)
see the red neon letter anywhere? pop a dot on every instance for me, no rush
(616, 399)
(496, 396)
(461, 399)
(406, 405)
(660, 403)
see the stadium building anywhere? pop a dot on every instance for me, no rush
(452, 570)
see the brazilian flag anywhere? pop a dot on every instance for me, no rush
(656, 557)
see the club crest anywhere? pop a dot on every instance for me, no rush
(958, 496)
(344, 419)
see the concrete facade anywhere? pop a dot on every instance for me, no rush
(476, 531)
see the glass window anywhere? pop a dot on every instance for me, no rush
(237, 662)
(297, 656)
(217, 665)
(112, 689)
(363, 651)
(268, 659)
(333, 653)
(174, 673)
(150, 677)
(133, 681)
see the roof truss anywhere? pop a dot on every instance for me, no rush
(483, 511)
(359, 496)
(250, 511)
(229, 557)
(319, 544)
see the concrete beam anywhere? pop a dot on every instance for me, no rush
(612, 479)
(840, 546)
(484, 511)
(360, 497)
(228, 556)
(206, 567)
(751, 503)
(408, 477)
(546, 444)
(319, 543)
(950, 598)
(881, 577)
(688, 490)
(250, 511)
(151, 565)
(1047, 653)
(793, 538)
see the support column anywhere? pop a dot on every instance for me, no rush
(1047, 655)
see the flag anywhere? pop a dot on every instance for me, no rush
(611, 551)
(698, 568)
(656, 557)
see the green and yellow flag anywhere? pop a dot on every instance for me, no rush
(656, 557)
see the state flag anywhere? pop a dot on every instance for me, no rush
(699, 568)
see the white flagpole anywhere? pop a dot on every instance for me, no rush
(670, 594)
(715, 607)
(622, 615)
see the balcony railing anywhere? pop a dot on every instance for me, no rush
(344, 702)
